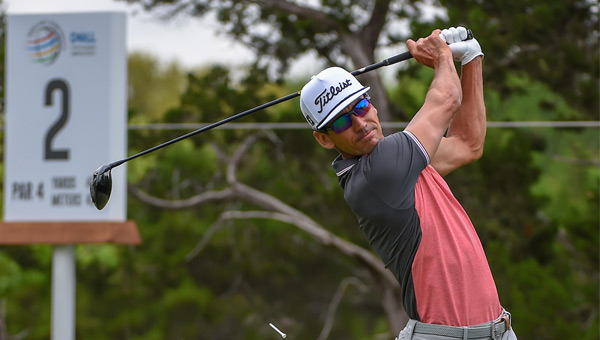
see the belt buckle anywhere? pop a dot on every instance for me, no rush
(506, 318)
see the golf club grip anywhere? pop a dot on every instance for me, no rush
(395, 59)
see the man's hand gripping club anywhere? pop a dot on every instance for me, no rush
(464, 46)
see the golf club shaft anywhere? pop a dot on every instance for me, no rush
(386, 62)
(207, 127)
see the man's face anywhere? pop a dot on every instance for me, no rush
(359, 139)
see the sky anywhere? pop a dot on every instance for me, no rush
(183, 40)
(193, 42)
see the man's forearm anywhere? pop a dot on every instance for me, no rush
(444, 95)
(469, 124)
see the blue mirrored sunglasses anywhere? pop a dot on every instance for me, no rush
(344, 122)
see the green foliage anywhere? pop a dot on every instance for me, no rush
(153, 88)
(411, 89)
(25, 288)
(553, 42)
(545, 291)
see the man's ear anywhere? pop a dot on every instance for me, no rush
(324, 140)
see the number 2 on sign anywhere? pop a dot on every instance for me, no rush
(62, 86)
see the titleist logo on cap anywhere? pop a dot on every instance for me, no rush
(327, 95)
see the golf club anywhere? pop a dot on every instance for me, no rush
(101, 184)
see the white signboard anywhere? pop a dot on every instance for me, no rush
(66, 114)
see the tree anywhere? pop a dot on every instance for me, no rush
(280, 31)
(149, 96)
(275, 209)
(556, 43)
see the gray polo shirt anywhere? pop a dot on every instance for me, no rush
(379, 188)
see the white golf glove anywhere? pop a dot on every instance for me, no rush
(463, 50)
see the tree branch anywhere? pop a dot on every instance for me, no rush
(278, 210)
(204, 241)
(301, 12)
(205, 197)
(335, 302)
(577, 161)
(307, 225)
(372, 30)
(3, 330)
(4, 335)
(391, 300)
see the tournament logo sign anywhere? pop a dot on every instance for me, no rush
(45, 42)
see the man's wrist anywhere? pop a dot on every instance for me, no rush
(445, 56)
(469, 59)
(475, 62)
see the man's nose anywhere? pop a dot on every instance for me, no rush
(358, 123)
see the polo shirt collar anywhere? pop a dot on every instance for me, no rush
(341, 166)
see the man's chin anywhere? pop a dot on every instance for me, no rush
(372, 137)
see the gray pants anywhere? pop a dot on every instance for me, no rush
(413, 327)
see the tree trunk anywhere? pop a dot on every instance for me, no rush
(362, 55)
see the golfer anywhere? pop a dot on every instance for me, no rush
(395, 187)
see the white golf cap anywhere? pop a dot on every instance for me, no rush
(328, 93)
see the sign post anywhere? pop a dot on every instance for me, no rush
(66, 103)
(63, 292)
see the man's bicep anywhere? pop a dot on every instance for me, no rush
(427, 126)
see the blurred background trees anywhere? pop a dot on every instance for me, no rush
(215, 269)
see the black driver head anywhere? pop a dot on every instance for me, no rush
(101, 186)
